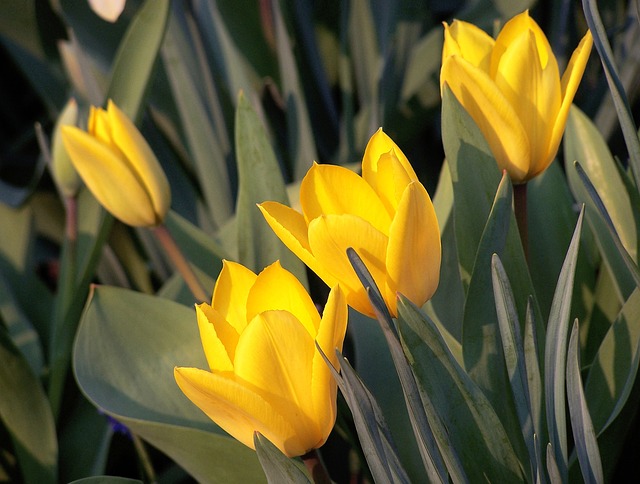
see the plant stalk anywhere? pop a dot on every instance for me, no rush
(316, 468)
(520, 207)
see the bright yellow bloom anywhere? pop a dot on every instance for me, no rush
(386, 216)
(512, 89)
(259, 336)
(118, 166)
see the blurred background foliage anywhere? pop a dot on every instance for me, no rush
(321, 76)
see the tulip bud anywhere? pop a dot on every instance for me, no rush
(118, 166)
(62, 170)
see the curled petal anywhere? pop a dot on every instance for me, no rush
(291, 229)
(391, 181)
(331, 235)
(468, 41)
(378, 146)
(533, 89)
(291, 296)
(238, 410)
(414, 251)
(274, 358)
(330, 337)
(144, 163)
(231, 292)
(493, 114)
(330, 189)
(107, 174)
(219, 338)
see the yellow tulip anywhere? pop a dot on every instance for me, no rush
(386, 216)
(259, 336)
(118, 166)
(512, 89)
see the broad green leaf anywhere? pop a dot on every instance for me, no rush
(421, 70)
(584, 143)
(583, 433)
(623, 107)
(25, 413)
(430, 435)
(513, 350)
(302, 149)
(555, 354)
(197, 120)
(614, 369)
(473, 427)
(126, 349)
(277, 467)
(374, 436)
(260, 180)
(136, 57)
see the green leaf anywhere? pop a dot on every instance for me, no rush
(430, 435)
(614, 369)
(473, 427)
(260, 180)
(277, 467)
(136, 56)
(374, 436)
(300, 138)
(556, 351)
(513, 350)
(126, 349)
(25, 413)
(620, 100)
(583, 433)
(207, 145)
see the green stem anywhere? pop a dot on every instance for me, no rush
(520, 207)
(180, 262)
(145, 460)
(316, 468)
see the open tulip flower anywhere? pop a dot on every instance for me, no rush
(512, 89)
(386, 216)
(117, 165)
(259, 336)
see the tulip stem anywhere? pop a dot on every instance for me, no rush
(180, 262)
(520, 207)
(316, 468)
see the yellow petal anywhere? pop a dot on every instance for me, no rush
(414, 252)
(378, 146)
(330, 337)
(219, 338)
(533, 89)
(291, 229)
(513, 29)
(109, 178)
(392, 179)
(237, 410)
(330, 189)
(290, 296)
(127, 137)
(570, 82)
(331, 235)
(231, 292)
(493, 114)
(470, 42)
(274, 357)
(99, 125)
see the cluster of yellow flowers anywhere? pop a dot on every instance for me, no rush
(260, 332)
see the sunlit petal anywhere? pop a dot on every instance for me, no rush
(414, 252)
(291, 229)
(237, 409)
(108, 177)
(219, 338)
(381, 145)
(331, 235)
(330, 189)
(231, 293)
(493, 114)
(291, 296)
(468, 41)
